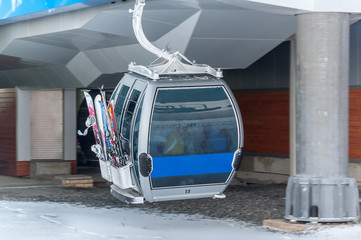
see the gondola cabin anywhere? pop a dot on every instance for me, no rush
(181, 137)
(171, 130)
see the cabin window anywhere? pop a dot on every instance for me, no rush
(193, 136)
(136, 138)
(120, 103)
(115, 92)
(128, 116)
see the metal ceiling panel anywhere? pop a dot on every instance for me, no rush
(243, 24)
(12, 63)
(83, 69)
(80, 39)
(102, 42)
(39, 77)
(236, 39)
(156, 23)
(229, 53)
(39, 52)
(116, 60)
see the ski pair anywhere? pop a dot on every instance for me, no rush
(102, 121)
(92, 122)
(113, 147)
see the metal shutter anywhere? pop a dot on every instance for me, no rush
(46, 124)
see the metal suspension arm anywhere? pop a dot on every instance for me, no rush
(139, 33)
(175, 62)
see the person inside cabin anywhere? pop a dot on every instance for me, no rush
(174, 145)
(216, 140)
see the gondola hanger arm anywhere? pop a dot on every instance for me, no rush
(175, 63)
(139, 33)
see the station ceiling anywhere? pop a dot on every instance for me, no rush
(77, 48)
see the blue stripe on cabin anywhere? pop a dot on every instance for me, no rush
(192, 164)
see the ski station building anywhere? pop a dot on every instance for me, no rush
(50, 50)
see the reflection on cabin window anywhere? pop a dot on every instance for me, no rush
(192, 121)
(136, 138)
(115, 92)
(120, 103)
(129, 114)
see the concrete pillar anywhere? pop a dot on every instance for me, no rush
(292, 107)
(321, 190)
(23, 125)
(70, 108)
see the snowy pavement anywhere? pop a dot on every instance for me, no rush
(50, 221)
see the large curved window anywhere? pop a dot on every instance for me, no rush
(193, 136)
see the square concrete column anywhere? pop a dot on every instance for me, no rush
(321, 190)
(70, 114)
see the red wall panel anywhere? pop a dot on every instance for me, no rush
(266, 122)
(8, 132)
(355, 124)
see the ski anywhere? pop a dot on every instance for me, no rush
(114, 128)
(91, 122)
(114, 145)
(100, 122)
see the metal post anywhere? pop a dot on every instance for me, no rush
(69, 124)
(321, 191)
(23, 125)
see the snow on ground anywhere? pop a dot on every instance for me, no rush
(50, 221)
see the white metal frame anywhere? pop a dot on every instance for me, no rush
(174, 63)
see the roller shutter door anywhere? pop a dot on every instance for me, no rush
(46, 124)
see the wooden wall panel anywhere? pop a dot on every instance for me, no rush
(355, 124)
(23, 169)
(266, 122)
(8, 132)
(74, 166)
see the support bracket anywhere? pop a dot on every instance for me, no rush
(172, 64)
